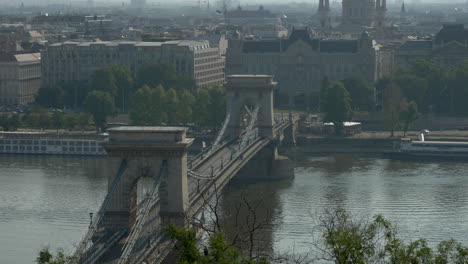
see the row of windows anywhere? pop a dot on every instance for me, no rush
(47, 142)
(44, 148)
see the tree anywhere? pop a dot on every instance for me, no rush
(141, 111)
(324, 86)
(360, 92)
(32, 120)
(14, 122)
(46, 257)
(70, 120)
(392, 106)
(338, 107)
(458, 88)
(200, 109)
(187, 100)
(409, 115)
(172, 107)
(74, 93)
(346, 240)
(105, 81)
(58, 120)
(154, 74)
(100, 105)
(149, 108)
(124, 82)
(436, 78)
(50, 96)
(82, 120)
(217, 106)
(158, 109)
(218, 250)
(413, 88)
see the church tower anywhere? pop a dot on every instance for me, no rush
(381, 13)
(324, 14)
(359, 13)
(403, 13)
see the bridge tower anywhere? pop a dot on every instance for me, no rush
(149, 152)
(244, 91)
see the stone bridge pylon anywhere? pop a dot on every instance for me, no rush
(246, 93)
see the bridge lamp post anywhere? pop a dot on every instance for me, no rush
(90, 219)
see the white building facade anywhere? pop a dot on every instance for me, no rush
(76, 61)
(20, 78)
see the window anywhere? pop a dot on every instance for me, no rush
(43, 148)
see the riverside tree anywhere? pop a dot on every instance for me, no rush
(359, 91)
(338, 107)
(100, 105)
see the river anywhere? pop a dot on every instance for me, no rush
(46, 200)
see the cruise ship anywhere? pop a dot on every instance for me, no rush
(431, 149)
(50, 143)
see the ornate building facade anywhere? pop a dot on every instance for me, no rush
(448, 48)
(356, 15)
(300, 62)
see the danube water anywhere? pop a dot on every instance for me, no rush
(46, 200)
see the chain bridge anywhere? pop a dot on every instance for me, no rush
(154, 182)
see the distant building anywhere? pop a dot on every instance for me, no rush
(357, 15)
(447, 48)
(300, 62)
(251, 18)
(20, 78)
(76, 61)
(138, 3)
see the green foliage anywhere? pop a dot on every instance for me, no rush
(409, 115)
(347, 241)
(392, 106)
(324, 86)
(156, 106)
(337, 106)
(57, 120)
(149, 107)
(124, 82)
(185, 113)
(104, 80)
(360, 92)
(200, 109)
(218, 250)
(74, 93)
(163, 73)
(50, 96)
(217, 106)
(100, 105)
(458, 89)
(46, 257)
(414, 88)
(10, 122)
(436, 77)
(172, 107)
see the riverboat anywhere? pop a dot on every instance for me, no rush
(431, 149)
(49, 143)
